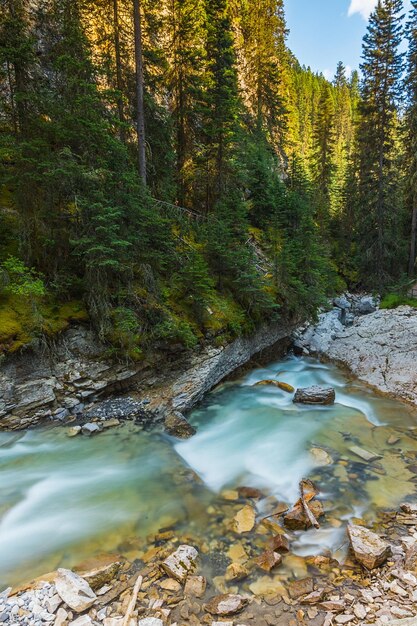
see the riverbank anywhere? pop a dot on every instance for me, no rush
(68, 379)
(379, 347)
(169, 581)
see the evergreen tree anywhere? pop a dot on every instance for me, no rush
(379, 200)
(411, 132)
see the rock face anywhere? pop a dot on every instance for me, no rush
(71, 379)
(74, 590)
(370, 550)
(181, 563)
(379, 348)
(315, 395)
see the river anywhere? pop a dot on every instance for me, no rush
(65, 499)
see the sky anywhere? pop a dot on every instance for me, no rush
(323, 32)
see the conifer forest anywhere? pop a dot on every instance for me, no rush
(169, 170)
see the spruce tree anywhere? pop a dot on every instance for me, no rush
(411, 133)
(379, 202)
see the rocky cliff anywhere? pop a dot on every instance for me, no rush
(380, 348)
(72, 377)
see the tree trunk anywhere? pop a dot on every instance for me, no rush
(412, 260)
(119, 80)
(140, 113)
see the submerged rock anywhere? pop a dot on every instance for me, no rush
(244, 520)
(236, 571)
(276, 383)
(315, 395)
(181, 563)
(268, 560)
(177, 426)
(369, 549)
(226, 604)
(365, 455)
(321, 457)
(74, 590)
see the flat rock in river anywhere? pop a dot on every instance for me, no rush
(369, 549)
(315, 395)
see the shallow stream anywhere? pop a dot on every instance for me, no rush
(65, 499)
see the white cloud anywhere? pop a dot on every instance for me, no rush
(348, 71)
(328, 74)
(364, 7)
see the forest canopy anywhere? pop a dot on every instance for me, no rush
(170, 172)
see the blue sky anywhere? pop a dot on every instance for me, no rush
(323, 32)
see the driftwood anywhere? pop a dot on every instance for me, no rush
(305, 498)
(133, 599)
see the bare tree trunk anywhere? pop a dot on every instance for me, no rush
(140, 114)
(412, 260)
(119, 80)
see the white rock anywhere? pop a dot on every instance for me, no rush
(112, 621)
(181, 563)
(53, 603)
(150, 621)
(369, 549)
(83, 620)
(74, 591)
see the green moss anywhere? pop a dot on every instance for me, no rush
(393, 300)
(21, 322)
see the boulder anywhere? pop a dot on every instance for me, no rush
(342, 303)
(315, 395)
(244, 520)
(150, 621)
(226, 604)
(177, 426)
(366, 305)
(102, 574)
(369, 549)
(181, 563)
(74, 590)
(90, 429)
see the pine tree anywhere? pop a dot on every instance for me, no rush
(411, 132)
(323, 145)
(379, 204)
(186, 22)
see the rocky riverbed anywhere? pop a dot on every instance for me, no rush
(178, 579)
(377, 346)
